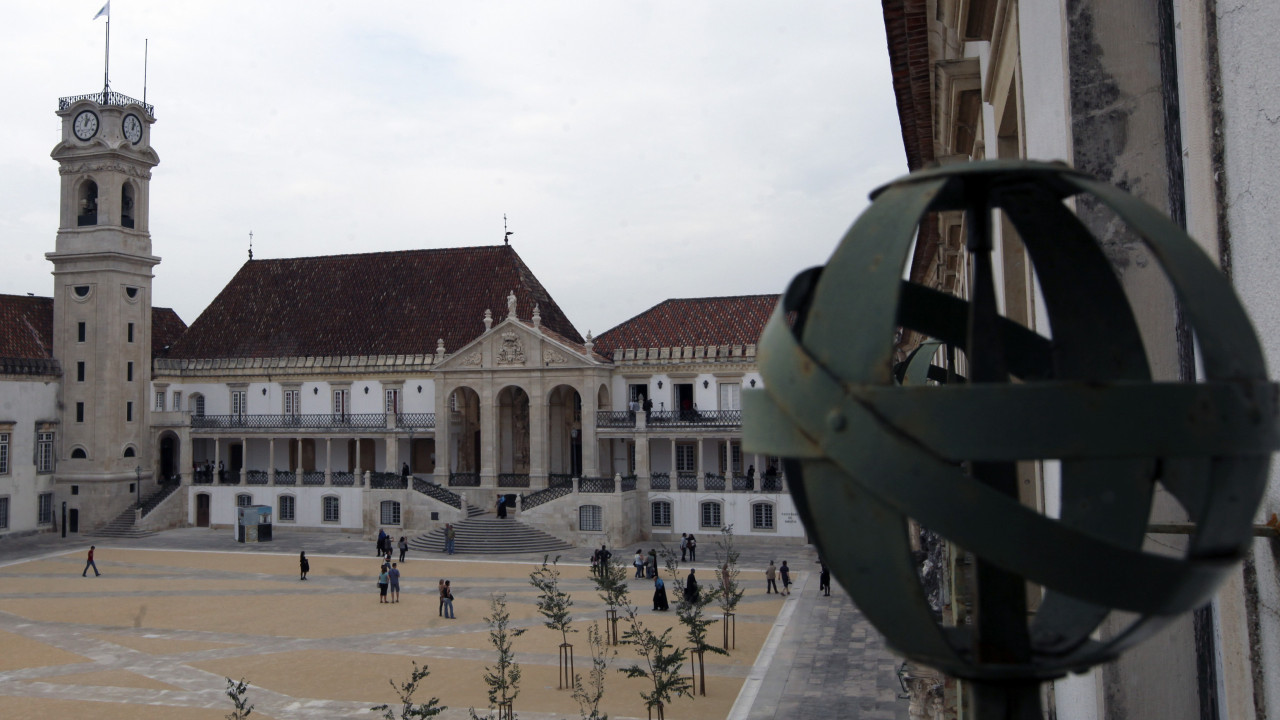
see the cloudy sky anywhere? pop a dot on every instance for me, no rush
(641, 149)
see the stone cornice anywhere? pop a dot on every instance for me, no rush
(298, 367)
(689, 354)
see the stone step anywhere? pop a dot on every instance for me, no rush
(492, 535)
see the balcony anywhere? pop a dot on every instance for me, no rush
(322, 421)
(662, 419)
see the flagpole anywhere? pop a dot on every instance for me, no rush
(106, 64)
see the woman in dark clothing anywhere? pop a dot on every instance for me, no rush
(691, 588)
(660, 595)
(303, 565)
(404, 547)
(382, 584)
(824, 578)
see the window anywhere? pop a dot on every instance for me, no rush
(711, 517)
(341, 403)
(44, 452)
(762, 516)
(730, 458)
(81, 291)
(159, 401)
(287, 512)
(4, 453)
(78, 454)
(197, 405)
(79, 412)
(44, 514)
(291, 406)
(331, 509)
(686, 457)
(80, 371)
(393, 401)
(4, 513)
(589, 518)
(128, 372)
(128, 411)
(730, 396)
(244, 500)
(130, 452)
(239, 402)
(661, 512)
(177, 400)
(390, 512)
(130, 332)
(81, 331)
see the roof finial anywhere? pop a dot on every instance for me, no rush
(488, 320)
(506, 234)
(537, 316)
(250, 244)
(590, 343)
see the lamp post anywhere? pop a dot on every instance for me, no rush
(137, 486)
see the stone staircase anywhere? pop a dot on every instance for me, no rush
(490, 535)
(121, 527)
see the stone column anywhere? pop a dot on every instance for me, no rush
(271, 460)
(444, 441)
(539, 437)
(697, 462)
(297, 472)
(188, 466)
(244, 460)
(590, 448)
(217, 456)
(328, 461)
(642, 461)
(489, 435)
(359, 466)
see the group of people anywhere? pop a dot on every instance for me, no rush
(646, 566)
(688, 548)
(771, 574)
(384, 546)
(389, 581)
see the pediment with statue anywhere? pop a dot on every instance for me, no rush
(514, 344)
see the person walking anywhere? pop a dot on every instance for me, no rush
(393, 577)
(90, 564)
(660, 601)
(684, 547)
(771, 578)
(691, 588)
(652, 572)
(404, 547)
(785, 572)
(440, 593)
(382, 538)
(448, 601)
(382, 583)
(450, 536)
(638, 563)
(304, 566)
(693, 549)
(824, 578)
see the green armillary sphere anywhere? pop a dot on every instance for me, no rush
(864, 454)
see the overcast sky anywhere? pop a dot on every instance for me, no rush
(641, 149)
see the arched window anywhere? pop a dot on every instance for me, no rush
(87, 207)
(126, 205)
(287, 511)
(79, 454)
(762, 516)
(197, 404)
(332, 509)
(244, 500)
(660, 512)
(711, 515)
(130, 452)
(590, 518)
(390, 514)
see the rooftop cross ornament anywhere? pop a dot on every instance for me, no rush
(864, 454)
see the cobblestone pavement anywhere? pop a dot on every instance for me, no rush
(822, 659)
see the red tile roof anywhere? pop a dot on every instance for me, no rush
(26, 333)
(166, 328)
(386, 303)
(708, 321)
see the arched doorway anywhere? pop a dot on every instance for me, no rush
(169, 457)
(564, 433)
(464, 432)
(513, 435)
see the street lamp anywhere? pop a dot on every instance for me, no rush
(137, 486)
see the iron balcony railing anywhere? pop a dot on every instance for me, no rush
(431, 489)
(686, 481)
(109, 97)
(743, 483)
(387, 481)
(256, 477)
(772, 483)
(713, 482)
(595, 485)
(560, 480)
(464, 479)
(416, 421)
(286, 477)
(660, 481)
(533, 500)
(285, 421)
(513, 480)
(615, 419)
(696, 418)
(340, 479)
(628, 483)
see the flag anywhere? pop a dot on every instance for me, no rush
(106, 10)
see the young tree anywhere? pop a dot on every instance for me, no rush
(589, 695)
(504, 678)
(689, 610)
(611, 581)
(729, 590)
(662, 664)
(554, 604)
(239, 694)
(409, 710)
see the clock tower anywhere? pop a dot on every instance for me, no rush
(102, 269)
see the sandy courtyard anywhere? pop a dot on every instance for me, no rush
(156, 635)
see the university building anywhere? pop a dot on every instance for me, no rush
(394, 390)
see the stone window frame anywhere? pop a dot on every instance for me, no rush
(292, 515)
(653, 513)
(4, 512)
(389, 513)
(325, 515)
(6, 435)
(704, 507)
(756, 508)
(592, 513)
(45, 439)
(44, 508)
(244, 499)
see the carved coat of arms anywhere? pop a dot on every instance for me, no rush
(512, 350)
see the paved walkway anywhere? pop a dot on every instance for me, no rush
(820, 658)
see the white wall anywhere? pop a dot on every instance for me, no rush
(24, 403)
(308, 504)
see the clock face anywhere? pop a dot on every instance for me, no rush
(132, 129)
(86, 125)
